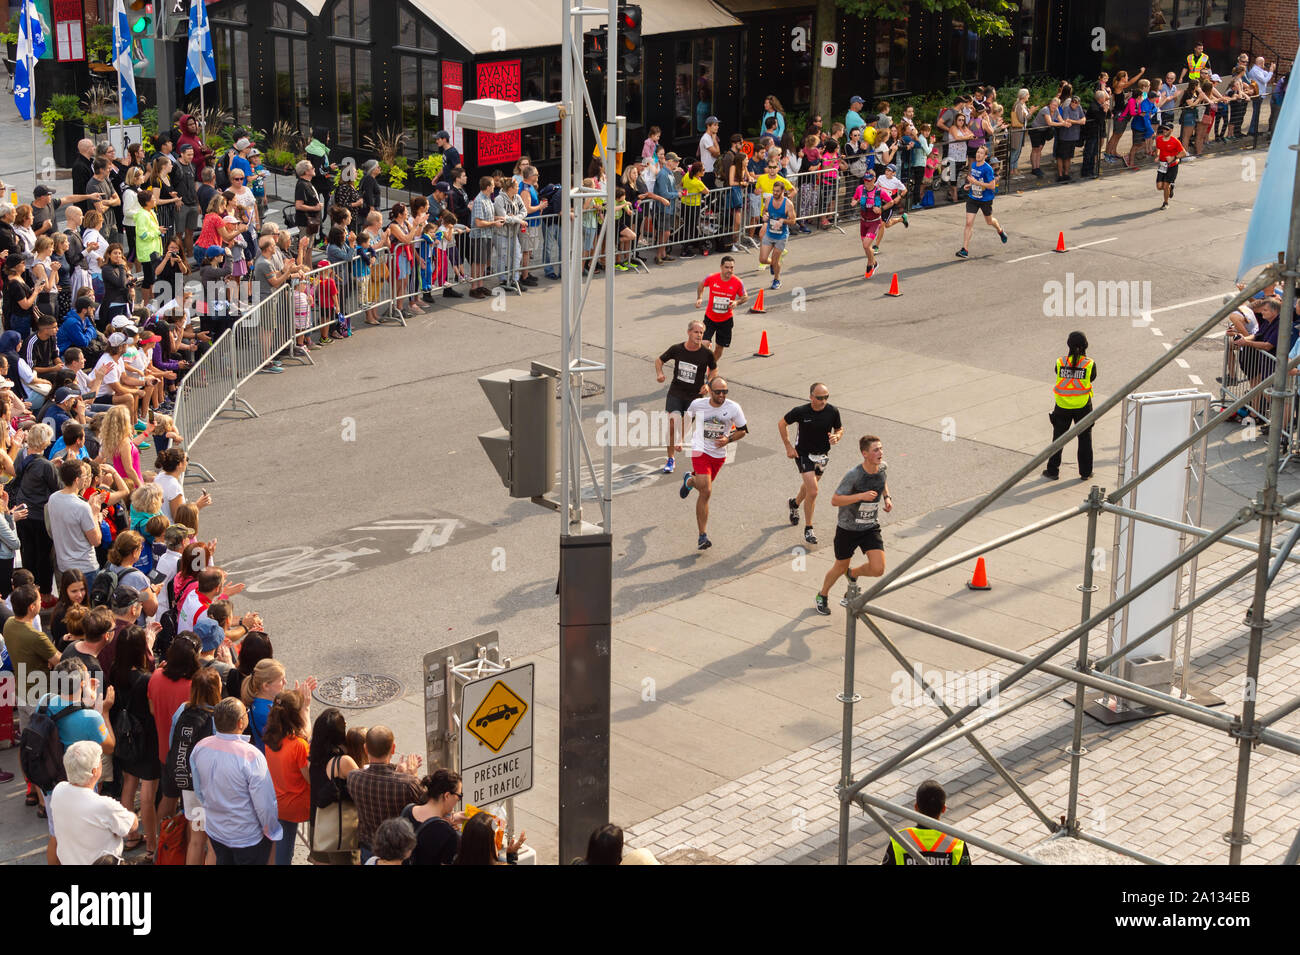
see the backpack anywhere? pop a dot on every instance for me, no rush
(41, 750)
(101, 592)
(132, 738)
(551, 193)
(194, 724)
(169, 622)
(222, 171)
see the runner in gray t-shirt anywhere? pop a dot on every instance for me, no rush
(860, 497)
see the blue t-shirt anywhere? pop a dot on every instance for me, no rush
(984, 173)
(1143, 118)
(239, 162)
(534, 217)
(84, 724)
(777, 227)
(257, 715)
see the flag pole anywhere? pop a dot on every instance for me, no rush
(31, 81)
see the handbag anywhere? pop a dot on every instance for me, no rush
(173, 840)
(334, 832)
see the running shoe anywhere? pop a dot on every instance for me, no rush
(809, 536)
(776, 284)
(804, 230)
(668, 468)
(1003, 237)
(733, 248)
(821, 605)
(905, 225)
(1052, 475)
(685, 492)
(272, 370)
(620, 267)
(1164, 207)
(871, 270)
(963, 254)
(703, 543)
(875, 250)
(794, 511)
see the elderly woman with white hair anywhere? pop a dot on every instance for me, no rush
(87, 826)
(36, 481)
(8, 238)
(307, 203)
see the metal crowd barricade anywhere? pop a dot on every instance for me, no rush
(1243, 368)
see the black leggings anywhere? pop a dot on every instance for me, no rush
(38, 552)
(1062, 420)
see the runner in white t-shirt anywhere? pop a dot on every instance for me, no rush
(719, 423)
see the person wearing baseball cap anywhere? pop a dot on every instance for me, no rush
(1169, 150)
(450, 154)
(239, 160)
(853, 118)
(45, 205)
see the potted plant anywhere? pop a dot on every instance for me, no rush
(99, 43)
(280, 161)
(10, 38)
(63, 127)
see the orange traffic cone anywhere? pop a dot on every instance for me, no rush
(1060, 242)
(763, 350)
(981, 579)
(758, 303)
(893, 286)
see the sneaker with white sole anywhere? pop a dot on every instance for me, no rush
(794, 511)
(822, 605)
(668, 468)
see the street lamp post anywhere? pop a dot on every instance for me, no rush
(586, 560)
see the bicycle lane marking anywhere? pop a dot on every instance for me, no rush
(362, 547)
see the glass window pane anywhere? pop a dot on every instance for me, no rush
(406, 33)
(342, 19)
(343, 103)
(283, 81)
(554, 90)
(301, 85)
(881, 57)
(1189, 13)
(684, 98)
(298, 22)
(365, 96)
(1216, 11)
(801, 63)
(242, 111)
(411, 103)
(279, 16)
(221, 54)
(531, 77)
(428, 39)
(361, 19)
(1162, 16)
(703, 82)
(429, 88)
(898, 58)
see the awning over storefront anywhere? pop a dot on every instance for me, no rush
(535, 23)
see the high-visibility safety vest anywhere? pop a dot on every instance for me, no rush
(940, 849)
(1073, 382)
(1196, 65)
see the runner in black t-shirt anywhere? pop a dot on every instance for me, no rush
(819, 428)
(692, 369)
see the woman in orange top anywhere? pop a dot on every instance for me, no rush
(286, 758)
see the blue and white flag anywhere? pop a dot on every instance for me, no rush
(200, 67)
(122, 61)
(31, 47)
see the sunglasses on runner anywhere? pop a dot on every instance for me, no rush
(821, 397)
(719, 391)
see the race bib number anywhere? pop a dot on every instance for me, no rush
(714, 429)
(867, 513)
(686, 373)
(721, 304)
(1162, 167)
(976, 190)
(819, 459)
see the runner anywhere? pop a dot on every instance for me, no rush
(891, 213)
(1168, 151)
(819, 428)
(693, 362)
(726, 292)
(777, 218)
(719, 422)
(981, 186)
(870, 202)
(859, 498)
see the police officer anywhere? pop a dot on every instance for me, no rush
(937, 848)
(1075, 374)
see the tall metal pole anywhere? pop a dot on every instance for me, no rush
(1269, 507)
(1087, 589)
(586, 558)
(848, 697)
(31, 81)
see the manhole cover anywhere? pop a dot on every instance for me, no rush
(589, 389)
(358, 690)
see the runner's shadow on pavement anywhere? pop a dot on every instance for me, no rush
(758, 657)
(1120, 219)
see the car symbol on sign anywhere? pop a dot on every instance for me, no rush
(497, 713)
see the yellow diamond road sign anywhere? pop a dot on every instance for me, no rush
(497, 716)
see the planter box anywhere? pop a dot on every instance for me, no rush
(67, 134)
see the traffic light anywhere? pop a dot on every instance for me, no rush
(523, 452)
(595, 54)
(629, 38)
(140, 24)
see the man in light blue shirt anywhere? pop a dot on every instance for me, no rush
(234, 787)
(853, 118)
(1263, 75)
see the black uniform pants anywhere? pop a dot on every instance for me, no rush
(1062, 420)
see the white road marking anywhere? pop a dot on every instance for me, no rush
(1181, 364)
(1194, 380)
(1168, 346)
(1157, 332)
(1081, 245)
(1199, 301)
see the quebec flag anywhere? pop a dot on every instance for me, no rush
(200, 67)
(122, 61)
(30, 49)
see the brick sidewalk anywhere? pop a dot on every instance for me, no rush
(1160, 786)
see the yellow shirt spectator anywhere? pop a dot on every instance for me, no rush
(692, 190)
(765, 183)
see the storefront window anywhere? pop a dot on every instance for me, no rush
(406, 31)
(364, 95)
(230, 50)
(803, 65)
(1190, 13)
(704, 78)
(344, 101)
(411, 104)
(1216, 12)
(683, 87)
(1162, 16)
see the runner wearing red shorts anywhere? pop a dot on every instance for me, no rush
(719, 422)
(726, 292)
(870, 202)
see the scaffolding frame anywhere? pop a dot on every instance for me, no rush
(1249, 729)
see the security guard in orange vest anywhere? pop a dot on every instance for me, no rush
(1198, 64)
(1075, 374)
(933, 845)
